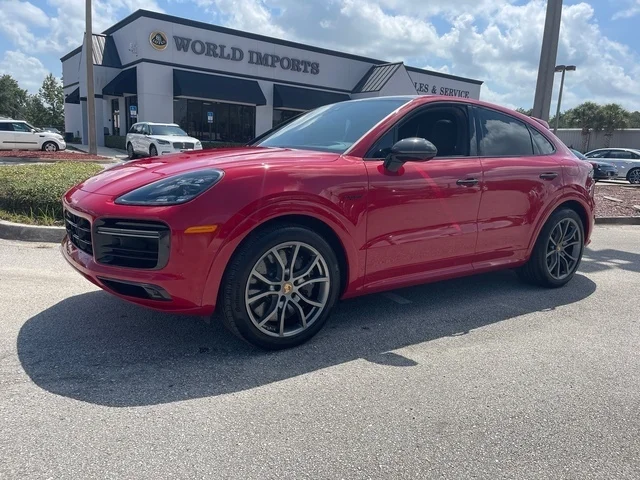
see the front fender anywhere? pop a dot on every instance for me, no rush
(345, 229)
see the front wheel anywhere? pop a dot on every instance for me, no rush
(50, 147)
(280, 286)
(130, 152)
(634, 176)
(153, 151)
(557, 252)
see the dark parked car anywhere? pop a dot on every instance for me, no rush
(601, 170)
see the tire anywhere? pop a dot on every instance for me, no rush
(50, 147)
(633, 176)
(130, 152)
(153, 151)
(541, 269)
(320, 285)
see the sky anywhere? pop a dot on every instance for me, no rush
(497, 41)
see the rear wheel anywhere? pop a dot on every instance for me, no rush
(634, 176)
(50, 147)
(130, 151)
(558, 251)
(153, 151)
(279, 287)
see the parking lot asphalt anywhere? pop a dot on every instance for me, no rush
(481, 377)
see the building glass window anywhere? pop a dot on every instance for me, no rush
(229, 123)
(115, 116)
(281, 116)
(129, 102)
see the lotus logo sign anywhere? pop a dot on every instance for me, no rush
(158, 40)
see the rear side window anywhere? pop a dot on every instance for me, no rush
(502, 135)
(599, 154)
(5, 127)
(620, 154)
(541, 145)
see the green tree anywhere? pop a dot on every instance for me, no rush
(51, 96)
(634, 120)
(613, 117)
(13, 99)
(525, 112)
(586, 116)
(36, 113)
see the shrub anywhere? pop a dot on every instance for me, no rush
(33, 193)
(115, 141)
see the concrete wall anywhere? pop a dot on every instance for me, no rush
(155, 93)
(629, 138)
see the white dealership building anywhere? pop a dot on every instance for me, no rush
(220, 84)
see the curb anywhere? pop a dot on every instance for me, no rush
(617, 220)
(31, 233)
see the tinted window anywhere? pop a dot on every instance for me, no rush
(542, 146)
(333, 128)
(620, 154)
(167, 130)
(599, 154)
(132, 129)
(382, 147)
(5, 127)
(502, 135)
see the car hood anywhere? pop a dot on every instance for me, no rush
(174, 138)
(130, 175)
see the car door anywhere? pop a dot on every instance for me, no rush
(137, 138)
(521, 177)
(6, 136)
(623, 160)
(421, 220)
(23, 137)
(145, 141)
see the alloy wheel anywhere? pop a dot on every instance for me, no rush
(564, 248)
(50, 147)
(634, 176)
(287, 289)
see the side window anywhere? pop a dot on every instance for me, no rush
(635, 156)
(145, 130)
(502, 135)
(447, 127)
(599, 154)
(21, 127)
(5, 127)
(541, 145)
(133, 129)
(620, 154)
(383, 146)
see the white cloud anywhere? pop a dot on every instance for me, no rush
(633, 9)
(28, 71)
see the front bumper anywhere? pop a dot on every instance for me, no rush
(177, 286)
(604, 174)
(170, 150)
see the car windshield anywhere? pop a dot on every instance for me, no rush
(332, 128)
(170, 130)
(579, 155)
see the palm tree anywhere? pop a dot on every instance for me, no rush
(586, 116)
(614, 117)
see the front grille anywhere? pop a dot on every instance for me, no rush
(183, 145)
(79, 231)
(131, 243)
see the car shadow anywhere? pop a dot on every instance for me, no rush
(99, 349)
(608, 259)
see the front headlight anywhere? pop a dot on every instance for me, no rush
(163, 142)
(173, 190)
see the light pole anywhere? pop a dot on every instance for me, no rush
(548, 54)
(563, 69)
(91, 102)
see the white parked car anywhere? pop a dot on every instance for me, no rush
(626, 160)
(153, 139)
(19, 135)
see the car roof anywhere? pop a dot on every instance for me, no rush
(157, 123)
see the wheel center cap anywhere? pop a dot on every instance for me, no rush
(287, 288)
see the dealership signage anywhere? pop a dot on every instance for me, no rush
(159, 41)
(435, 90)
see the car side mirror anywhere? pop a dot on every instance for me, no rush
(33, 130)
(413, 149)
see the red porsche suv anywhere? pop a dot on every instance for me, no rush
(351, 198)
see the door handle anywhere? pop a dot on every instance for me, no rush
(467, 182)
(548, 175)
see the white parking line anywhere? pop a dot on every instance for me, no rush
(396, 298)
